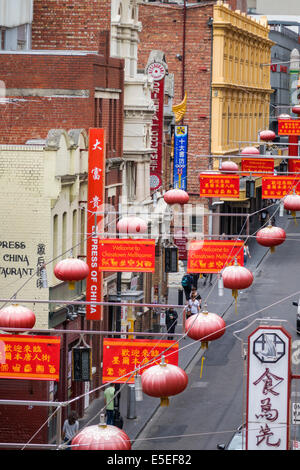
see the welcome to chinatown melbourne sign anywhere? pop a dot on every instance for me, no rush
(268, 389)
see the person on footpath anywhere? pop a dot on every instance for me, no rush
(194, 304)
(187, 284)
(109, 394)
(171, 320)
(70, 428)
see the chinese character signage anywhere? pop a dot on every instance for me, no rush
(276, 187)
(157, 71)
(180, 157)
(219, 185)
(257, 166)
(29, 357)
(212, 256)
(127, 255)
(122, 356)
(96, 186)
(269, 356)
(288, 126)
(294, 165)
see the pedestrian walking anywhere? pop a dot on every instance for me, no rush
(208, 277)
(70, 428)
(109, 394)
(118, 420)
(195, 277)
(193, 305)
(171, 320)
(187, 284)
(246, 254)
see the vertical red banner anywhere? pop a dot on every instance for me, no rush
(157, 71)
(96, 187)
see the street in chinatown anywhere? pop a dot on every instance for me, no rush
(213, 405)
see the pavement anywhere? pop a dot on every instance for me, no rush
(136, 415)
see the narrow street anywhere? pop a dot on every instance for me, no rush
(213, 405)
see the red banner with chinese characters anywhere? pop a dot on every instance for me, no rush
(117, 254)
(219, 185)
(257, 166)
(122, 356)
(276, 187)
(29, 357)
(288, 126)
(96, 187)
(206, 256)
(294, 165)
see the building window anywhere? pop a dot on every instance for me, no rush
(64, 235)
(74, 233)
(55, 237)
(16, 39)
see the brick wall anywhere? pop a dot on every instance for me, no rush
(163, 30)
(69, 24)
(20, 423)
(53, 79)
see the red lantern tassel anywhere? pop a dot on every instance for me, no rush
(235, 295)
(164, 401)
(293, 213)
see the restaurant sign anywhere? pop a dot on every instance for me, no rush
(96, 189)
(29, 357)
(121, 357)
(268, 389)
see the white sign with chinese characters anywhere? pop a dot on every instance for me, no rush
(269, 358)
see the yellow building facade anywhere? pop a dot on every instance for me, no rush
(240, 79)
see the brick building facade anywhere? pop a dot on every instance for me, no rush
(65, 83)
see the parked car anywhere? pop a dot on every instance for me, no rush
(237, 441)
(297, 304)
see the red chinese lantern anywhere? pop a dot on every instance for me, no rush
(101, 437)
(296, 109)
(16, 316)
(270, 236)
(164, 380)
(292, 203)
(267, 135)
(205, 326)
(250, 151)
(236, 277)
(71, 270)
(132, 225)
(229, 167)
(176, 196)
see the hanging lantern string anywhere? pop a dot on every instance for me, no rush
(131, 374)
(44, 266)
(90, 235)
(231, 257)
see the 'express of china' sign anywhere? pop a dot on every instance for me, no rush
(96, 187)
(122, 356)
(29, 357)
(127, 255)
(212, 256)
(276, 187)
(219, 185)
